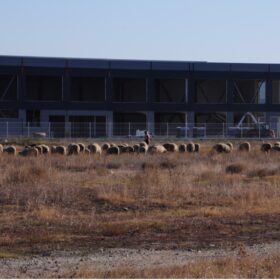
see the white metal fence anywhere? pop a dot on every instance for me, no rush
(134, 130)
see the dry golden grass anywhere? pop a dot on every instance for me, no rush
(130, 200)
(234, 267)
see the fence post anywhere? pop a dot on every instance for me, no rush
(241, 134)
(223, 130)
(28, 129)
(167, 132)
(7, 130)
(129, 129)
(259, 131)
(205, 129)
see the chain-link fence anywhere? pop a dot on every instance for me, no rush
(136, 130)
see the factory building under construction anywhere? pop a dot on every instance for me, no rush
(102, 97)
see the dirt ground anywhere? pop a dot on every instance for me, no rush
(68, 264)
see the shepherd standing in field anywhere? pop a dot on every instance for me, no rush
(147, 137)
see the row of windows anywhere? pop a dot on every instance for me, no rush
(93, 89)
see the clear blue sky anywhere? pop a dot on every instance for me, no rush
(204, 30)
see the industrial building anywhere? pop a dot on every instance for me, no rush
(102, 97)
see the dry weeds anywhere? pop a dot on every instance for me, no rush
(180, 200)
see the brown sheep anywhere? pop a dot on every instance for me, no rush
(190, 147)
(157, 149)
(196, 148)
(73, 149)
(61, 150)
(29, 151)
(11, 150)
(266, 147)
(95, 148)
(182, 148)
(221, 148)
(82, 147)
(244, 147)
(113, 151)
(105, 146)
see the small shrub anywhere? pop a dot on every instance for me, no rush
(235, 168)
(262, 172)
(168, 165)
(147, 165)
(113, 165)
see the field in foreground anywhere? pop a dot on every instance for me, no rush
(174, 202)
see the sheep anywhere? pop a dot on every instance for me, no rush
(82, 147)
(166, 146)
(53, 148)
(113, 145)
(61, 150)
(11, 150)
(182, 148)
(143, 144)
(276, 148)
(87, 151)
(39, 148)
(113, 151)
(196, 148)
(136, 148)
(221, 148)
(190, 147)
(73, 149)
(170, 147)
(143, 149)
(266, 147)
(128, 149)
(1, 148)
(230, 145)
(122, 148)
(94, 148)
(277, 144)
(105, 146)
(29, 151)
(157, 149)
(45, 149)
(244, 147)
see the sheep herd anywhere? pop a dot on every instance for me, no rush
(117, 149)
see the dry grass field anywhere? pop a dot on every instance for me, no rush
(173, 201)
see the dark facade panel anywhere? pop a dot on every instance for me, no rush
(44, 88)
(177, 66)
(87, 89)
(129, 90)
(88, 63)
(240, 67)
(275, 68)
(10, 61)
(134, 65)
(43, 62)
(212, 67)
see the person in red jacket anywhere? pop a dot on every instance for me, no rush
(147, 137)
